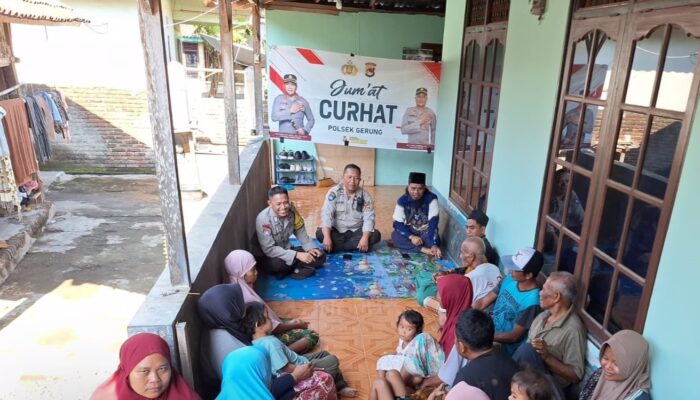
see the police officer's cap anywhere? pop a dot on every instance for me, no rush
(421, 90)
(290, 78)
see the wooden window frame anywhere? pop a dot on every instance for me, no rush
(628, 27)
(493, 28)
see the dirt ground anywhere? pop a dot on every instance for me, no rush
(65, 308)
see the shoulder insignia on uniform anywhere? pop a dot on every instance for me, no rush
(267, 229)
(298, 222)
(331, 196)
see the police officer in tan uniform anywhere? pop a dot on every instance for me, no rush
(274, 225)
(290, 109)
(418, 122)
(347, 217)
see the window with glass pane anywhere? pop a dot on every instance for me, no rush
(477, 111)
(619, 138)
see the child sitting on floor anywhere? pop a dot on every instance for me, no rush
(283, 359)
(421, 357)
(409, 324)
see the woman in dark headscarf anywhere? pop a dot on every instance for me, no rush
(144, 372)
(222, 307)
(221, 310)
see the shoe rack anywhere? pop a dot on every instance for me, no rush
(295, 168)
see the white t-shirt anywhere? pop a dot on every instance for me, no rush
(484, 279)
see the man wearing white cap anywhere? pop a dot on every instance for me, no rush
(517, 298)
(517, 305)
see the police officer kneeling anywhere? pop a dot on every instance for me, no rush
(274, 225)
(347, 217)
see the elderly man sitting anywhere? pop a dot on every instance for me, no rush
(484, 276)
(557, 338)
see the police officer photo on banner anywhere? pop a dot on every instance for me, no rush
(418, 123)
(291, 111)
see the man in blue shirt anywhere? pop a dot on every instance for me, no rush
(517, 299)
(416, 218)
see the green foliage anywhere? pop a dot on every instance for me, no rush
(240, 34)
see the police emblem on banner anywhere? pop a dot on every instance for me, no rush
(369, 69)
(349, 69)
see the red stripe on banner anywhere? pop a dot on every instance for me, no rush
(434, 68)
(277, 79)
(310, 56)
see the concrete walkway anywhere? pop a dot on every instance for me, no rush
(65, 308)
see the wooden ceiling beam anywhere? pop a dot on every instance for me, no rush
(331, 10)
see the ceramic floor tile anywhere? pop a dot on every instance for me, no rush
(339, 325)
(359, 381)
(378, 323)
(337, 308)
(351, 344)
(303, 309)
(358, 332)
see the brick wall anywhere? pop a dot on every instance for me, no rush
(110, 131)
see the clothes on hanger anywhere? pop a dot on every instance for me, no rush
(42, 146)
(59, 107)
(8, 188)
(19, 140)
(47, 116)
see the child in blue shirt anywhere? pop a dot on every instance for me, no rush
(284, 359)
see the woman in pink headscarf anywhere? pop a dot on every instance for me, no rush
(240, 267)
(144, 372)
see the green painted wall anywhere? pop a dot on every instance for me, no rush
(447, 103)
(532, 66)
(672, 319)
(369, 34)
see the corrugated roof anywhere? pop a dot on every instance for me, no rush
(38, 12)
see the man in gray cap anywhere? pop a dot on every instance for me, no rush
(347, 216)
(290, 109)
(419, 122)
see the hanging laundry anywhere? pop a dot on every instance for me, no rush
(8, 188)
(42, 146)
(59, 112)
(48, 117)
(19, 140)
(62, 104)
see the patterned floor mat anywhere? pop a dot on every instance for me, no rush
(383, 273)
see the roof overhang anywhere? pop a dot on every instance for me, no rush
(38, 12)
(242, 55)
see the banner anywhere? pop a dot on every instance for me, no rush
(343, 99)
